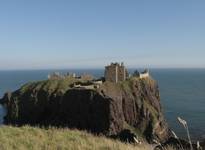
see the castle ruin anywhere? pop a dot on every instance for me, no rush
(144, 74)
(116, 72)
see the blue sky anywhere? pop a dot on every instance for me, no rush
(41, 34)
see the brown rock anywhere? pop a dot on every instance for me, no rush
(133, 104)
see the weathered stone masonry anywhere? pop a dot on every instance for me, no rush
(116, 72)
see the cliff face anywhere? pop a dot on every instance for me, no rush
(133, 104)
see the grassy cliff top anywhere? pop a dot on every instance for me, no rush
(32, 138)
(62, 85)
(53, 85)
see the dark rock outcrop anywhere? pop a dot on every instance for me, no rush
(133, 105)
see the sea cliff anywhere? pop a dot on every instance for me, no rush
(109, 109)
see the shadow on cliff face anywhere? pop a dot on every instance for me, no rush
(3, 113)
(85, 109)
(77, 108)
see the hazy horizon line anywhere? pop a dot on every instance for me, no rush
(97, 68)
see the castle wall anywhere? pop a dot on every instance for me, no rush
(110, 74)
(121, 73)
(115, 73)
(144, 75)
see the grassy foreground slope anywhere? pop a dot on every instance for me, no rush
(33, 138)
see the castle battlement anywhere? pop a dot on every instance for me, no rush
(116, 72)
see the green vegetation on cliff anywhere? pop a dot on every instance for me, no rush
(32, 138)
(61, 85)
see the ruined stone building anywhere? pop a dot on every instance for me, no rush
(144, 74)
(116, 72)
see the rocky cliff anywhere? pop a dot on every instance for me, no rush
(133, 104)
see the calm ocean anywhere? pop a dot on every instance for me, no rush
(182, 93)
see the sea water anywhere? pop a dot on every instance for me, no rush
(182, 93)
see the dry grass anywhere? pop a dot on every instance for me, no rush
(30, 138)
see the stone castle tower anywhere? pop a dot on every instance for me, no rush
(116, 72)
